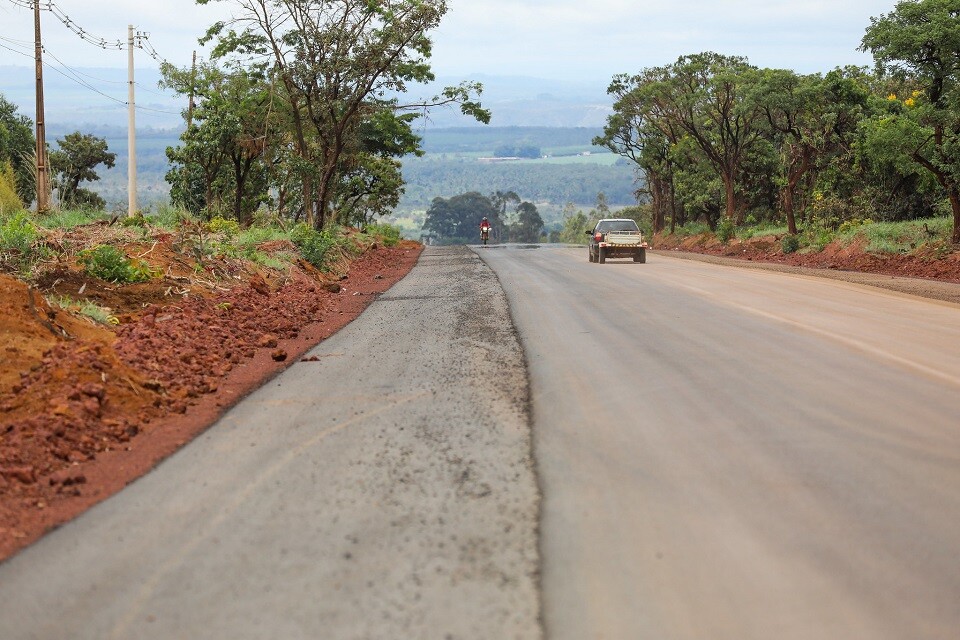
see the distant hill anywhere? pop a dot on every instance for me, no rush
(558, 118)
(83, 98)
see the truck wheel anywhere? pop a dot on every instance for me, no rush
(589, 255)
(641, 256)
(602, 255)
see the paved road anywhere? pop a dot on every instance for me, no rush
(386, 491)
(734, 454)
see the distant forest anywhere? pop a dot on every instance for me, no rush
(450, 166)
(535, 181)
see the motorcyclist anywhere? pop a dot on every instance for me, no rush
(484, 230)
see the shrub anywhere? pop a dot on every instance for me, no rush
(388, 235)
(136, 220)
(314, 245)
(229, 228)
(109, 263)
(790, 244)
(9, 200)
(18, 240)
(725, 230)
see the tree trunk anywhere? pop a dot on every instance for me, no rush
(955, 205)
(730, 188)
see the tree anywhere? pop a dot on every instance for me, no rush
(702, 97)
(574, 224)
(501, 220)
(18, 147)
(75, 161)
(458, 219)
(338, 62)
(225, 143)
(918, 43)
(529, 224)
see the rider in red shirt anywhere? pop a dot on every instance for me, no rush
(485, 230)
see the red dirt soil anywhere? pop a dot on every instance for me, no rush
(85, 410)
(923, 263)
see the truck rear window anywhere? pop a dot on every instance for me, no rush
(618, 225)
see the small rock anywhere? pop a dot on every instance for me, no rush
(279, 355)
(259, 285)
(67, 477)
(94, 390)
(268, 340)
(333, 287)
(24, 474)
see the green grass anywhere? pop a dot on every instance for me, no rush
(901, 237)
(70, 218)
(763, 229)
(83, 307)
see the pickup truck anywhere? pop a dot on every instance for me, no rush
(616, 238)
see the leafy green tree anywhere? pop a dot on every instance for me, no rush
(74, 161)
(336, 61)
(574, 225)
(529, 224)
(501, 220)
(918, 43)
(811, 118)
(457, 219)
(18, 146)
(704, 97)
(224, 146)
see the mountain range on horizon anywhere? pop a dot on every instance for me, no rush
(96, 97)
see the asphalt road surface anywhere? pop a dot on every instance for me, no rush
(722, 453)
(738, 454)
(385, 491)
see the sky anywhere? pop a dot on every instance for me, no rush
(554, 39)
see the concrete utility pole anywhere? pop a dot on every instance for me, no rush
(131, 130)
(43, 178)
(193, 82)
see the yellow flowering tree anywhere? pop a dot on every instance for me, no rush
(918, 43)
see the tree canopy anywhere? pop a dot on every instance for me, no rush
(330, 78)
(717, 139)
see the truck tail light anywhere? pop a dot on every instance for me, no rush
(598, 237)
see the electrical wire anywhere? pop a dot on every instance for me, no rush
(23, 53)
(141, 39)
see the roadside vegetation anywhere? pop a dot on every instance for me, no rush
(111, 248)
(742, 150)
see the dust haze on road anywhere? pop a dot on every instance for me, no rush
(386, 490)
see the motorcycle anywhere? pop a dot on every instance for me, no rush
(484, 234)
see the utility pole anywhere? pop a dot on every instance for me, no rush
(193, 82)
(43, 179)
(131, 130)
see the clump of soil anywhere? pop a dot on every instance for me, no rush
(925, 262)
(86, 408)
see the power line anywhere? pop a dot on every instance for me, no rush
(103, 43)
(23, 53)
(141, 41)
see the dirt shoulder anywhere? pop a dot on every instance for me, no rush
(921, 273)
(85, 409)
(934, 289)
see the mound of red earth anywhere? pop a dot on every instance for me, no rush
(924, 262)
(85, 409)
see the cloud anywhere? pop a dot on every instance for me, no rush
(548, 38)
